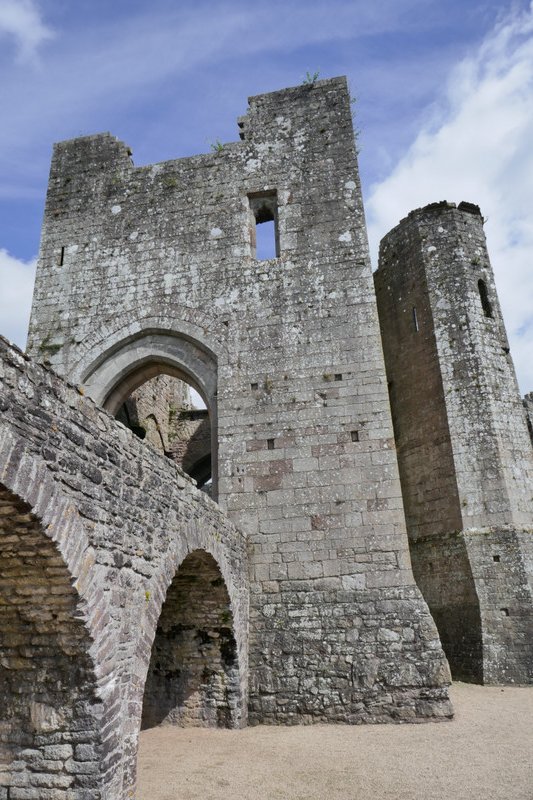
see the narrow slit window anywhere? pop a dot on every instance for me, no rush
(61, 259)
(415, 320)
(264, 234)
(484, 296)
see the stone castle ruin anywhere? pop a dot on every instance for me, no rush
(292, 552)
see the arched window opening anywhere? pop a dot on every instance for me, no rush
(170, 415)
(193, 676)
(48, 686)
(484, 296)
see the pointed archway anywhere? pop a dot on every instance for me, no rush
(193, 676)
(129, 364)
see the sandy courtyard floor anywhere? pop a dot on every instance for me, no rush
(486, 753)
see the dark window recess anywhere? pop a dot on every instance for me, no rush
(504, 612)
(61, 258)
(264, 234)
(270, 444)
(415, 320)
(485, 302)
(355, 436)
(338, 376)
(254, 386)
(496, 558)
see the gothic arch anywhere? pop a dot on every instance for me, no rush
(127, 364)
(181, 322)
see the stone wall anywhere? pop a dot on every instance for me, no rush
(190, 442)
(466, 462)
(286, 353)
(150, 410)
(528, 405)
(50, 721)
(94, 527)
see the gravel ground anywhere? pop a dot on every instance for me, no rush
(485, 753)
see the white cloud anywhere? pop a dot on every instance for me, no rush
(477, 146)
(22, 20)
(16, 289)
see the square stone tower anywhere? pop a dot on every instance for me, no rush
(154, 269)
(464, 451)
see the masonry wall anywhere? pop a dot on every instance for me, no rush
(190, 442)
(50, 732)
(528, 405)
(463, 447)
(150, 410)
(94, 527)
(306, 462)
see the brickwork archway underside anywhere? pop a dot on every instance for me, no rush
(50, 719)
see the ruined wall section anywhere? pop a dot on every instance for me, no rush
(479, 385)
(190, 439)
(150, 410)
(141, 516)
(193, 678)
(416, 392)
(437, 259)
(528, 405)
(306, 456)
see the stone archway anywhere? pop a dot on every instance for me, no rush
(51, 716)
(193, 677)
(130, 363)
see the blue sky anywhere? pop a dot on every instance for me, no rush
(444, 105)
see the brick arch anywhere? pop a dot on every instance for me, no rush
(195, 538)
(27, 478)
(52, 713)
(193, 675)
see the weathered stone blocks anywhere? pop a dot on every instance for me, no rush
(94, 525)
(286, 353)
(465, 455)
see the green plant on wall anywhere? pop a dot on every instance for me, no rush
(310, 78)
